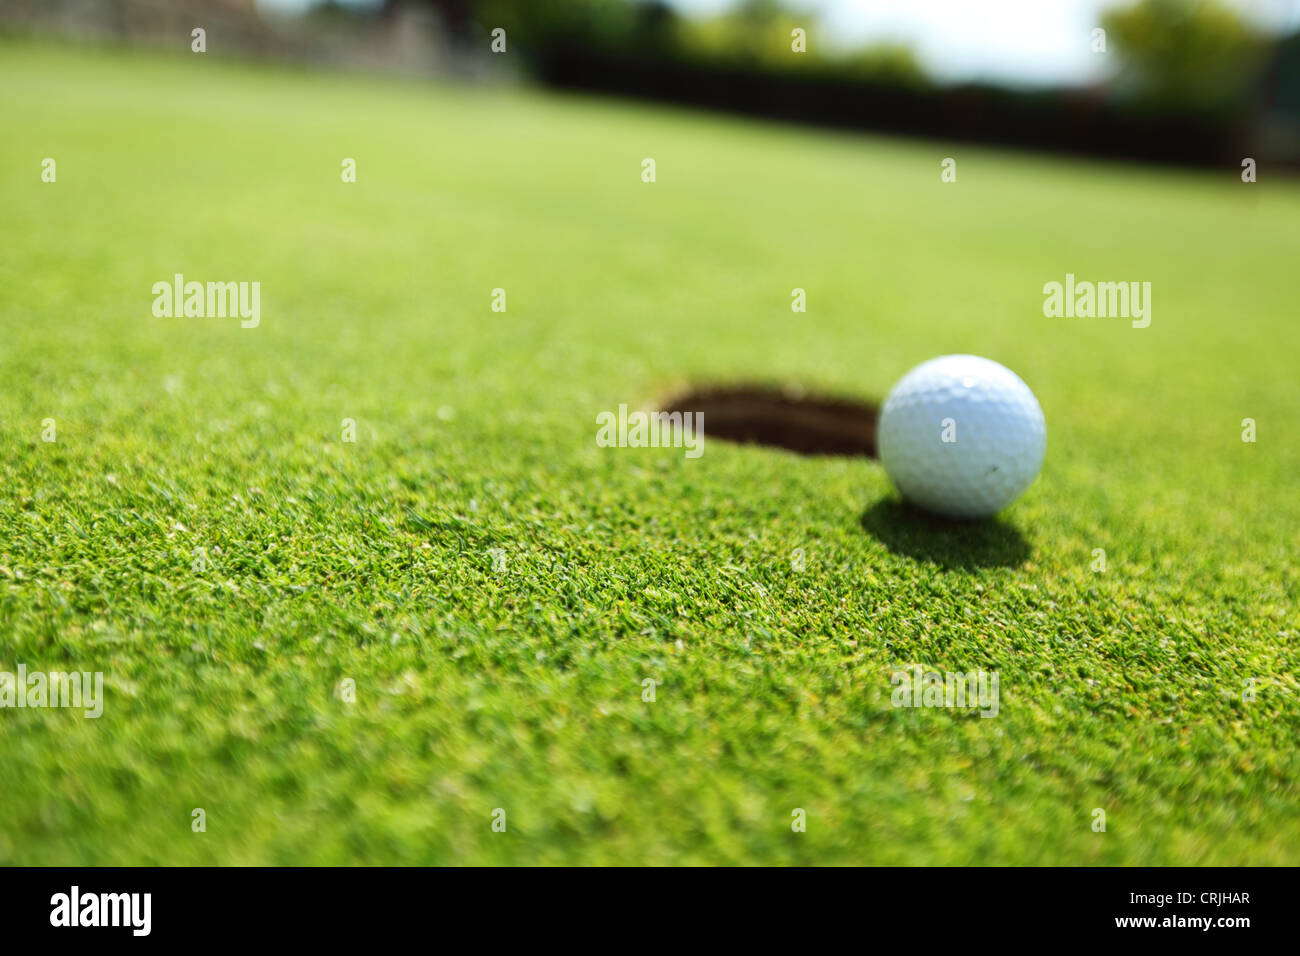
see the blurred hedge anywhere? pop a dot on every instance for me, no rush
(1187, 93)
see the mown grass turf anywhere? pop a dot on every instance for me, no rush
(522, 689)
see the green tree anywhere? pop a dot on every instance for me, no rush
(1182, 52)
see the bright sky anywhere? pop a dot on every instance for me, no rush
(1017, 41)
(1021, 42)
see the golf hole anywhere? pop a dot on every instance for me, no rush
(786, 418)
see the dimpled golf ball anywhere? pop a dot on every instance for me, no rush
(962, 436)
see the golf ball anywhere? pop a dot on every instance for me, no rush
(961, 435)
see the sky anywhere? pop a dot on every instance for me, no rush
(1021, 42)
(1013, 42)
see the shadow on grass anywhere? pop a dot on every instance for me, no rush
(951, 544)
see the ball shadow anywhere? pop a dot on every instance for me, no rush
(951, 544)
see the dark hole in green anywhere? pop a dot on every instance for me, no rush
(783, 418)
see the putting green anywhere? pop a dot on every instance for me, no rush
(498, 589)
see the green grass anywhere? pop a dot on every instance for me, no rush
(522, 689)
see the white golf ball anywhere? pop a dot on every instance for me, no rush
(961, 435)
